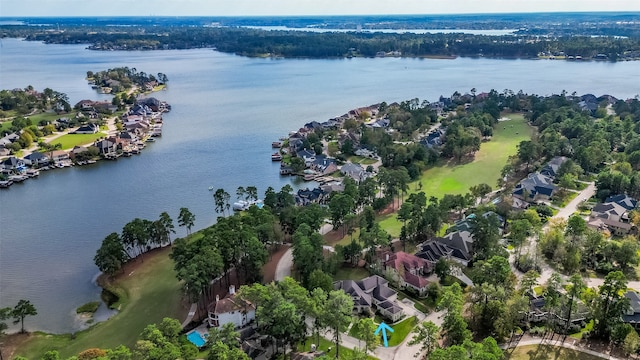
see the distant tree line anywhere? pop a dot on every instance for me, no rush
(255, 42)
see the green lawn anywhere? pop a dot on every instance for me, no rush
(546, 352)
(345, 353)
(150, 293)
(348, 273)
(5, 125)
(401, 330)
(486, 166)
(48, 116)
(70, 140)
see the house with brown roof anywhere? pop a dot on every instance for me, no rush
(407, 270)
(230, 309)
(611, 216)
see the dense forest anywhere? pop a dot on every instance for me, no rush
(257, 42)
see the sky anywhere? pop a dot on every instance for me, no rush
(16, 8)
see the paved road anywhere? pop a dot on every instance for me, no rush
(283, 269)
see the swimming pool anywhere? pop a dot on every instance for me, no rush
(196, 339)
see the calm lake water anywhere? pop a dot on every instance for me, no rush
(226, 112)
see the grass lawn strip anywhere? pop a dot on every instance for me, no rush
(70, 140)
(151, 292)
(546, 352)
(401, 330)
(345, 353)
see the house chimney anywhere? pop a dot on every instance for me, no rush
(232, 289)
(217, 298)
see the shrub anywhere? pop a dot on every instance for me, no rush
(90, 354)
(89, 307)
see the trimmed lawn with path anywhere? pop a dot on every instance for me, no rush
(485, 168)
(70, 140)
(149, 292)
(487, 163)
(349, 273)
(547, 352)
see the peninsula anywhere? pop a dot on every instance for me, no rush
(41, 131)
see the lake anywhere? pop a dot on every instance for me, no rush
(226, 112)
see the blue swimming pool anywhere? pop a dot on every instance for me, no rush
(196, 339)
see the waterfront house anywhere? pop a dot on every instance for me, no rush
(305, 196)
(230, 309)
(36, 158)
(324, 165)
(58, 155)
(12, 164)
(77, 150)
(105, 146)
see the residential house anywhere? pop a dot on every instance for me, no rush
(90, 128)
(36, 158)
(324, 165)
(535, 187)
(307, 155)
(552, 167)
(230, 309)
(434, 138)
(365, 153)
(4, 152)
(58, 155)
(333, 186)
(77, 150)
(612, 217)
(106, 146)
(355, 171)
(457, 246)
(623, 200)
(407, 270)
(13, 164)
(372, 293)
(632, 314)
(466, 225)
(305, 196)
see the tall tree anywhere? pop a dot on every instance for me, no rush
(166, 223)
(426, 335)
(337, 316)
(610, 303)
(454, 327)
(23, 309)
(576, 287)
(365, 329)
(186, 219)
(111, 255)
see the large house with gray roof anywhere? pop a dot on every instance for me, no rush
(457, 246)
(370, 294)
(535, 187)
(611, 216)
(632, 314)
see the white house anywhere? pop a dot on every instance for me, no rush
(231, 309)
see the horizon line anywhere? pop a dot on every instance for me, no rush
(319, 15)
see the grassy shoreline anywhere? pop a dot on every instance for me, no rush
(142, 302)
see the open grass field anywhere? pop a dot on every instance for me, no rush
(485, 168)
(348, 273)
(546, 352)
(150, 293)
(70, 140)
